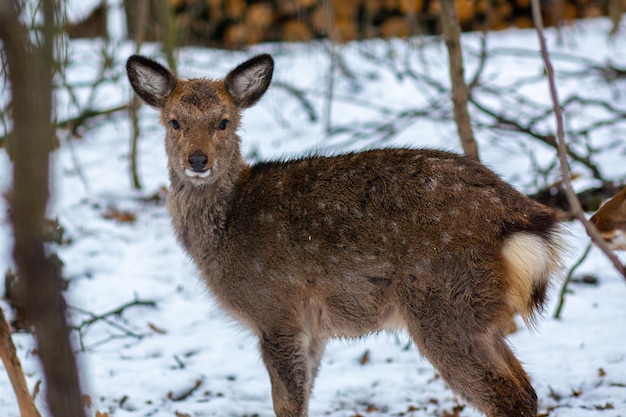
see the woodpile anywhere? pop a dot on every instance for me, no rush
(236, 23)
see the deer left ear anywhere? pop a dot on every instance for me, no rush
(150, 80)
(247, 83)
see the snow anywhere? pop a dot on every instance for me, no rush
(144, 361)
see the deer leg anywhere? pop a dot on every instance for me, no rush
(292, 360)
(314, 355)
(473, 358)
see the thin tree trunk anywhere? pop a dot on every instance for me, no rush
(30, 76)
(615, 10)
(452, 35)
(170, 34)
(133, 109)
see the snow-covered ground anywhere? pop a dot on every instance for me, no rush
(182, 356)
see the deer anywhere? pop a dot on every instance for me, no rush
(303, 250)
(610, 220)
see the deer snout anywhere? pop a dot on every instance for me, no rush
(198, 165)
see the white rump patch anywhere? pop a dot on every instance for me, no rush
(530, 261)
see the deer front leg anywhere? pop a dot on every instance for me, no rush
(292, 359)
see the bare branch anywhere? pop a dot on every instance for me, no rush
(568, 279)
(84, 326)
(575, 206)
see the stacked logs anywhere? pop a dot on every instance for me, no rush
(236, 23)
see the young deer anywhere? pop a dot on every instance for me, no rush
(611, 221)
(304, 250)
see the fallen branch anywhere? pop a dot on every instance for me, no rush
(115, 312)
(84, 326)
(186, 393)
(13, 367)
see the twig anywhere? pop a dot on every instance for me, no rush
(74, 123)
(330, 86)
(185, 394)
(83, 327)
(575, 206)
(515, 125)
(482, 58)
(115, 312)
(133, 114)
(568, 278)
(78, 166)
(300, 96)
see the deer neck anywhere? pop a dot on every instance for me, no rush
(199, 212)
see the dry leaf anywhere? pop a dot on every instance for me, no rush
(456, 412)
(158, 197)
(365, 358)
(99, 414)
(122, 216)
(87, 400)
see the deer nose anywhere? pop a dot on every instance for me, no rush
(198, 162)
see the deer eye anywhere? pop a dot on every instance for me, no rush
(175, 124)
(223, 124)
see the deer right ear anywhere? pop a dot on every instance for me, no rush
(150, 80)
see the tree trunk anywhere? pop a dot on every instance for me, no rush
(30, 76)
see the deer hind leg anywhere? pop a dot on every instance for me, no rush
(292, 360)
(474, 360)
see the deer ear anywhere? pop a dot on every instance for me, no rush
(150, 80)
(248, 82)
